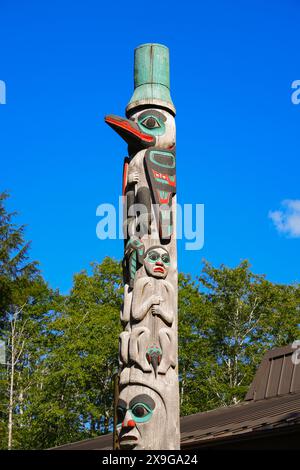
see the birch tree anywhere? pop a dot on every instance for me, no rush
(20, 286)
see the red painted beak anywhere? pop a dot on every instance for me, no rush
(129, 131)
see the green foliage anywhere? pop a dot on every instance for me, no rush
(74, 397)
(15, 269)
(194, 347)
(64, 348)
(226, 323)
(25, 300)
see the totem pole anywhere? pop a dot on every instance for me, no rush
(148, 404)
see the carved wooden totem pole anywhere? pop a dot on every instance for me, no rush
(148, 405)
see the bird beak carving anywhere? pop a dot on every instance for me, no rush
(129, 131)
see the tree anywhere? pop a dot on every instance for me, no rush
(25, 301)
(62, 351)
(27, 343)
(227, 322)
(228, 318)
(74, 399)
(195, 354)
(15, 267)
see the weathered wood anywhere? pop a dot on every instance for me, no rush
(148, 406)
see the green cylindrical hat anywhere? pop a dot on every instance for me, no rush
(151, 78)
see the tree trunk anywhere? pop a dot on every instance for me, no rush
(11, 391)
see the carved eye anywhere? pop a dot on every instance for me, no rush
(165, 259)
(153, 256)
(150, 122)
(141, 412)
(121, 412)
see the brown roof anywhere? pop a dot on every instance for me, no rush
(277, 375)
(97, 443)
(245, 417)
(271, 404)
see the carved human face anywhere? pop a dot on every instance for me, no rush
(157, 123)
(138, 410)
(157, 262)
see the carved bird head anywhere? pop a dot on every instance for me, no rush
(150, 127)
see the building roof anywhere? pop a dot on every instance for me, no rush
(246, 417)
(277, 375)
(97, 443)
(272, 404)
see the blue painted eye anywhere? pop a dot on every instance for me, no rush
(141, 412)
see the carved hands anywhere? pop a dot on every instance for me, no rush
(155, 300)
(133, 177)
(139, 311)
(163, 313)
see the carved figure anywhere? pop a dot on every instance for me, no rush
(148, 409)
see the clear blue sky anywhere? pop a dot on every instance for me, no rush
(68, 63)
